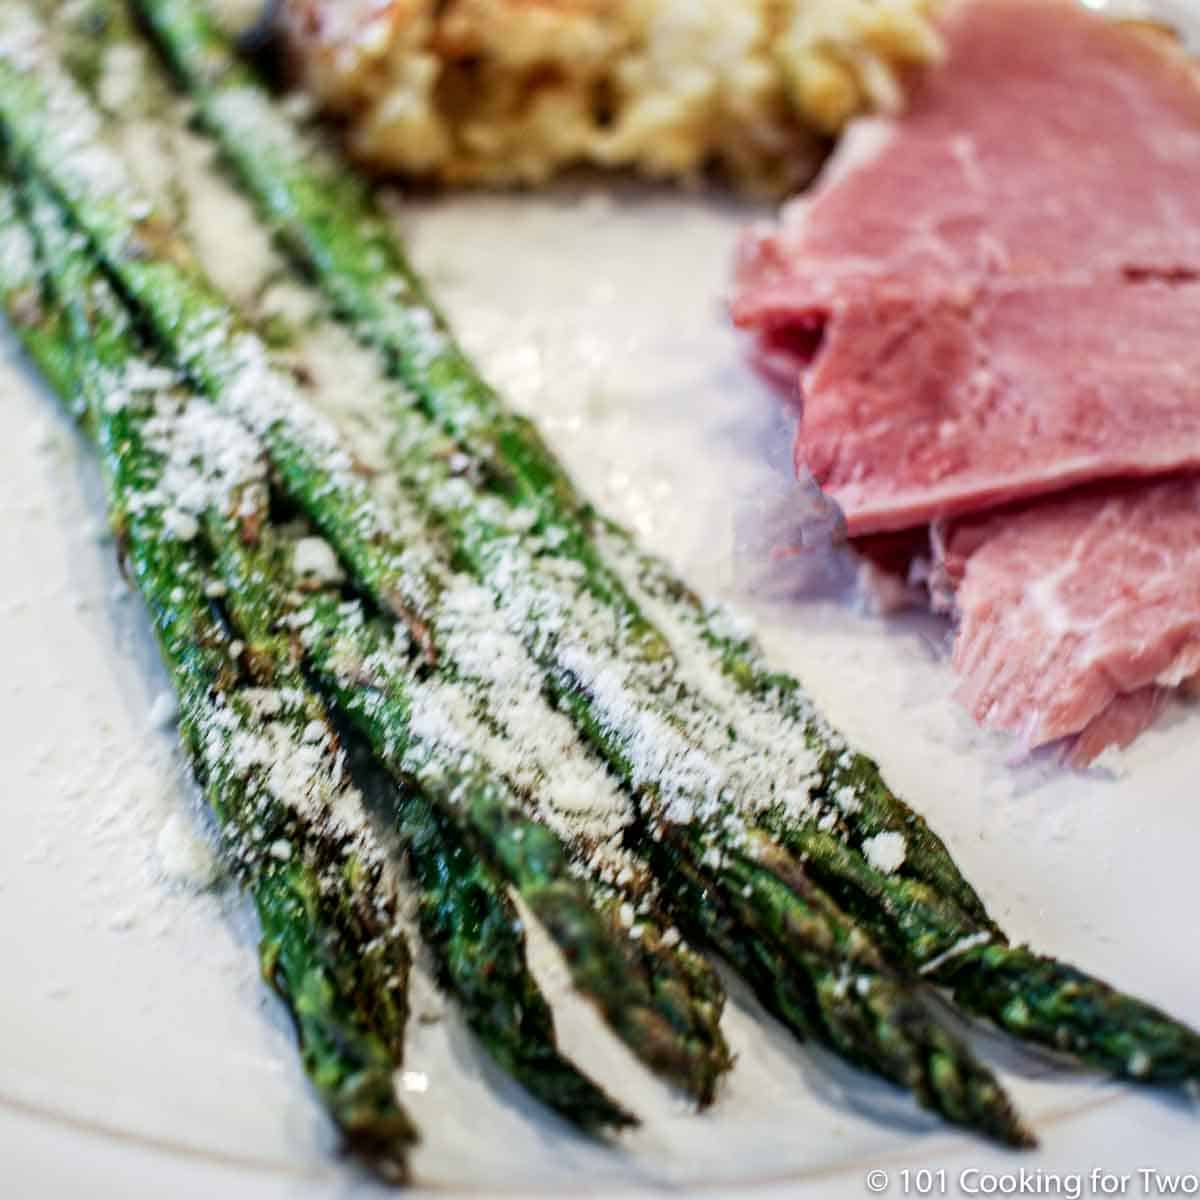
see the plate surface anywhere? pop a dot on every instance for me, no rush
(138, 1049)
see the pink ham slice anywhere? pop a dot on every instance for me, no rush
(1118, 725)
(1079, 613)
(996, 295)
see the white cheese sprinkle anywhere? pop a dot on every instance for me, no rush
(313, 558)
(886, 851)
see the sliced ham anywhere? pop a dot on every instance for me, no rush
(996, 295)
(989, 310)
(1118, 725)
(1079, 613)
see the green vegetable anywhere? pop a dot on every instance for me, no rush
(465, 821)
(406, 720)
(207, 340)
(771, 907)
(465, 913)
(328, 220)
(820, 976)
(204, 337)
(317, 883)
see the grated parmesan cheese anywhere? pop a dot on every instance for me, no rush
(313, 557)
(885, 851)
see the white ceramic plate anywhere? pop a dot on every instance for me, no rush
(139, 1053)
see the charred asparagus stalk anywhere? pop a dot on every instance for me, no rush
(330, 945)
(1031, 996)
(465, 910)
(202, 334)
(787, 937)
(848, 1000)
(208, 341)
(465, 913)
(928, 913)
(627, 610)
(469, 922)
(328, 220)
(459, 811)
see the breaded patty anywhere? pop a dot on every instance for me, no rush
(512, 91)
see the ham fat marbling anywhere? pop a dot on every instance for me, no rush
(991, 300)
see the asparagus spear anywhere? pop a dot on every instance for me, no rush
(206, 339)
(465, 913)
(856, 1005)
(1033, 997)
(464, 909)
(327, 219)
(330, 944)
(410, 726)
(551, 663)
(201, 333)
(784, 934)
(468, 920)
(1042, 1000)
(925, 913)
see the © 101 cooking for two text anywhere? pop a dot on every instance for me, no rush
(1071, 1185)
